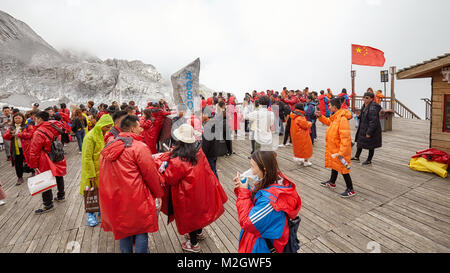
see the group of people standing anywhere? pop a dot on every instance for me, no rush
(119, 157)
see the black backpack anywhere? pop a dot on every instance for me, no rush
(293, 244)
(57, 149)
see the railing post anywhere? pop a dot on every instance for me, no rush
(393, 70)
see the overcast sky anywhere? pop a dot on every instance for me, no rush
(251, 44)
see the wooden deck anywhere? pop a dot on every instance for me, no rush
(397, 209)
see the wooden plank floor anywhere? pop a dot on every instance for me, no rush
(396, 209)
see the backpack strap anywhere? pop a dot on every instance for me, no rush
(270, 246)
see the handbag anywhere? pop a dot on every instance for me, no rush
(41, 182)
(91, 199)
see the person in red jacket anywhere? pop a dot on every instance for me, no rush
(146, 123)
(291, 101)
(115, 130)
(159, 115)
(264, 209)
(45, 132)
(129, 188)
(20, 135)
(196, 196)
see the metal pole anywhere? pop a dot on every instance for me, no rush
(393, 70)
(353, 90)
(385, 95)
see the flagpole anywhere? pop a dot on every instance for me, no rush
(352, 75)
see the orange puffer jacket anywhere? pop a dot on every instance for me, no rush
(337, 140)
(301, 139)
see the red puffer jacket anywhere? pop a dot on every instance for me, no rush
(197, 195)
(128, 185)
(25, 137)
(40, 145)
(159, 116)
(147, 126)
(292, 102)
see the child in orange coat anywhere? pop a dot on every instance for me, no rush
(301, 139)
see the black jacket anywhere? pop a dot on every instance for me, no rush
(209, 144)
(369, 124)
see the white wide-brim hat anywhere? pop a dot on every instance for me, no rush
(184, 133)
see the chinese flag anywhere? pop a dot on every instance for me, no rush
(366, 55)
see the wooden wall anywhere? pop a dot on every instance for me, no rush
(439, 139)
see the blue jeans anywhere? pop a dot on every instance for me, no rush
(80, 137)
(212, 163)
(141, 246)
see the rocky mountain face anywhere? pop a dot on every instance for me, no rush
(31, 71)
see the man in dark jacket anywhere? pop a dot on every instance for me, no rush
(368, 135)
(209, 142)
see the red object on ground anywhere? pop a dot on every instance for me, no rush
(433, 155)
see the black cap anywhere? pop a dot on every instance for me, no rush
(36, 104)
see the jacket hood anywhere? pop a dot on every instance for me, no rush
(48, 126)
(296, 113)
(114, 149)
(285, 197)
(341, 113)
(105, 120)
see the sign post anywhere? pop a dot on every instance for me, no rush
(384, 79)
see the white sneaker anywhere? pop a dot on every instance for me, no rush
(298, 160)
(307, 164)
(289, 144)
(2, 202)
(281, 145)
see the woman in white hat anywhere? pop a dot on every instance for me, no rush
(194, 196)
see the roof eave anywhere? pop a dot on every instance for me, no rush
(424, 70)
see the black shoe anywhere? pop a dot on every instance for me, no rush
(19, 181)
(367, 162)
(355, 159)
(60, 200)
(44, 210)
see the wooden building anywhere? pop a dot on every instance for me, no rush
(439, 71)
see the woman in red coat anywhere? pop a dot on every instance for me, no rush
(146, 123)
(159, 115)
(195, 193)
(20, 135)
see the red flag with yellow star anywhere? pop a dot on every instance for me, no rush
(366, 55)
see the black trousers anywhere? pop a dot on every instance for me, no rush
(47, 196)
(193, 236)
(347, 178)
(18, 164)
(287, 131)
(229, 146)
(371, 153)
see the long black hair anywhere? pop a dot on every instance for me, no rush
(186, 151)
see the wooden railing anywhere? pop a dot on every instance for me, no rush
(427, 108)
(399, 108)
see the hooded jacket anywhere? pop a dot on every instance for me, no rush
(159, 115)
(301, 139)
(129, 183)
(196, 194)
(147, 126)
(93, 144)
(369, 124)
(337, 140)
(265, 216)
(25, 136)
(41, 145)
(323, 105)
